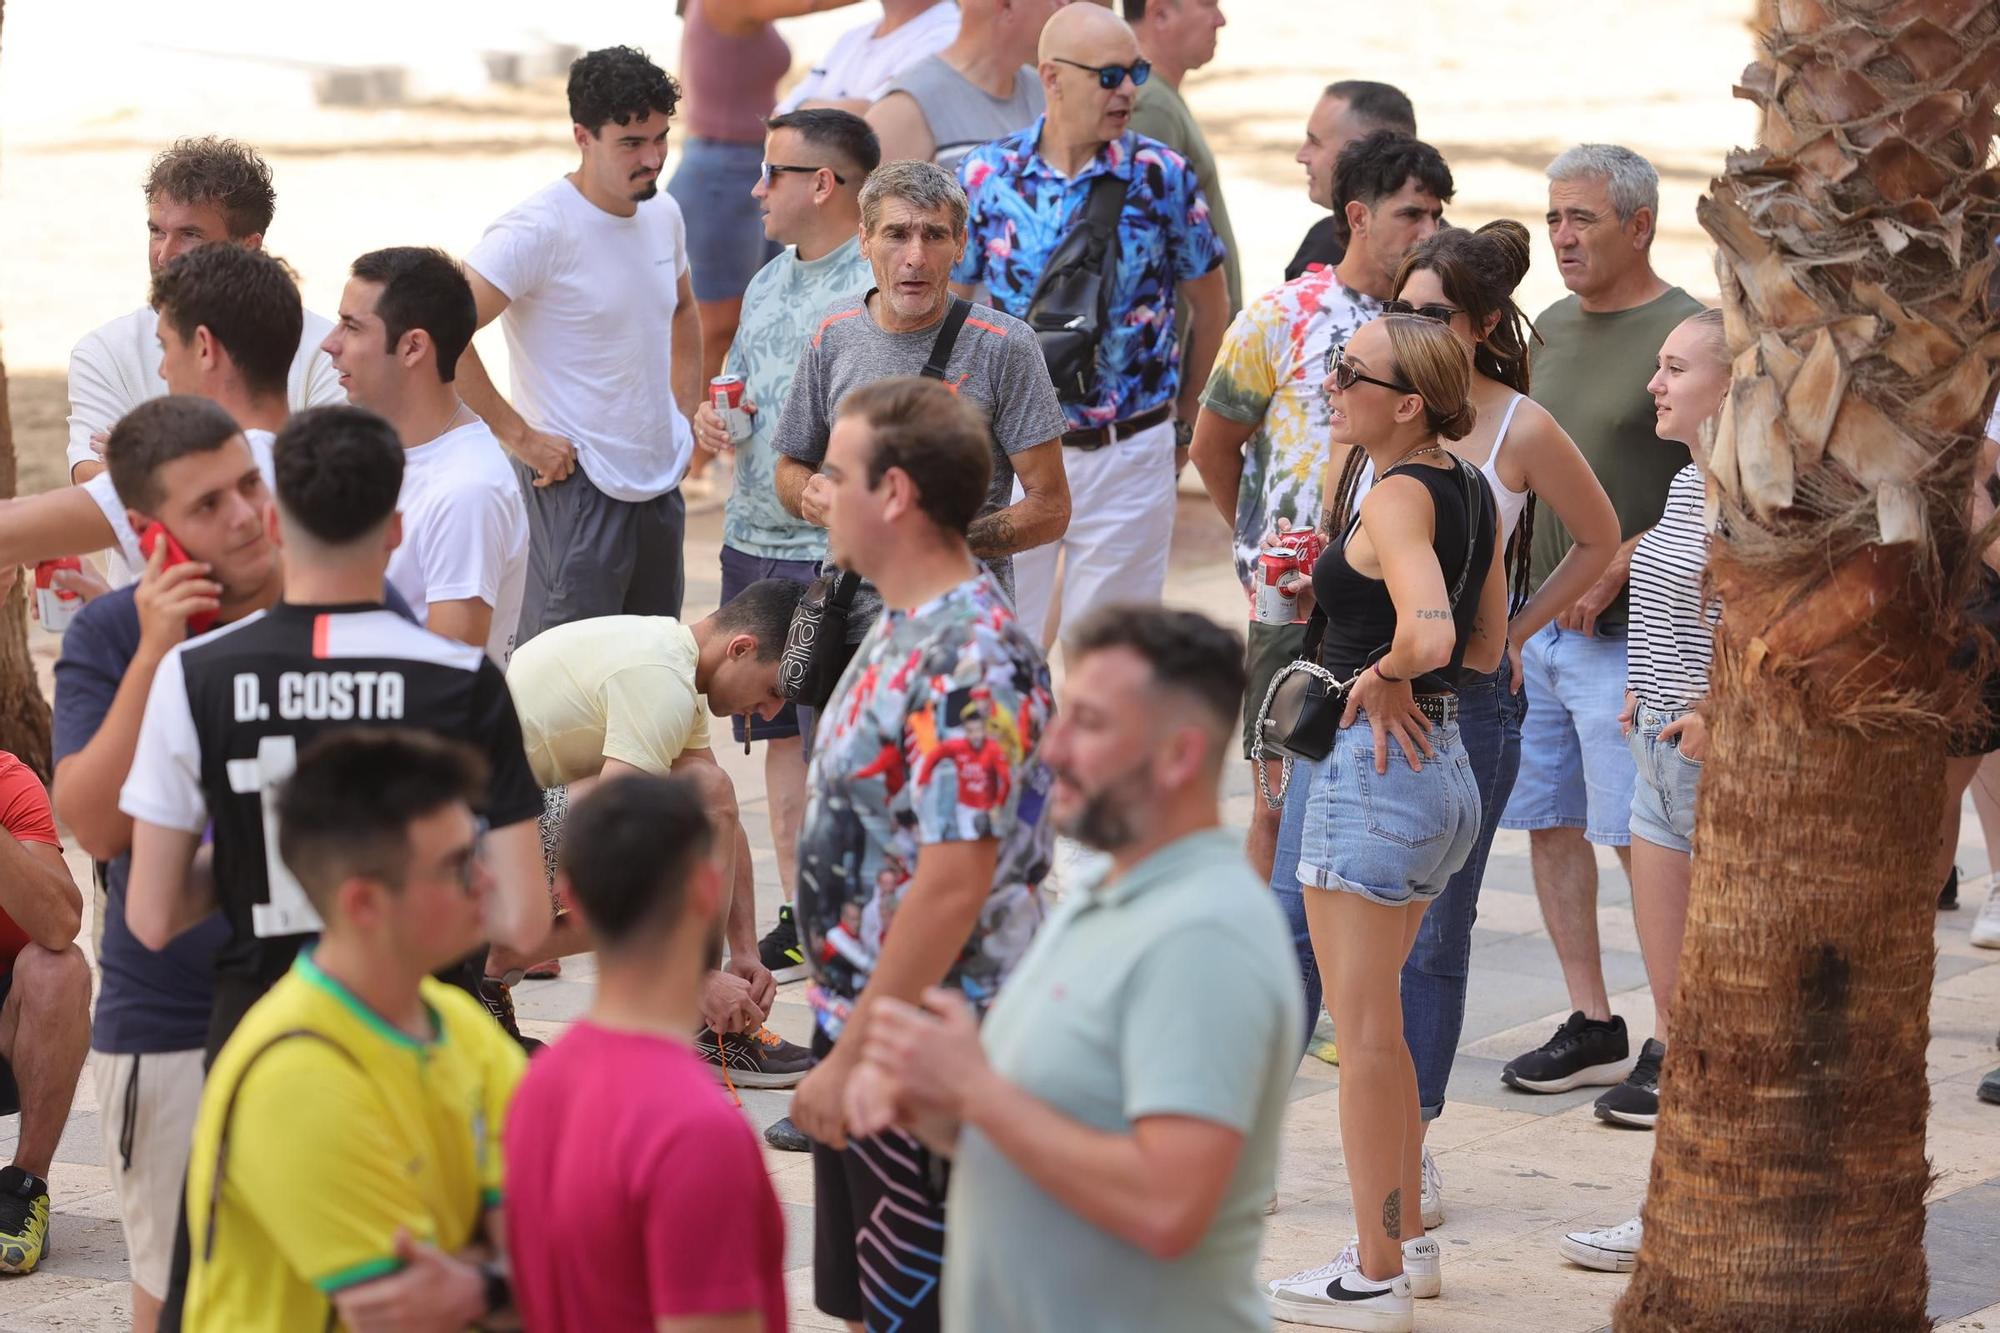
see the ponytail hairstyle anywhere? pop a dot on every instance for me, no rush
(1479, 271)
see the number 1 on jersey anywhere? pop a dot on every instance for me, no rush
(286, 910)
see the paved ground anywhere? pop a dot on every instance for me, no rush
(1518, 1170)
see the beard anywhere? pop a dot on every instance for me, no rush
(646, 191)
(1104, 821)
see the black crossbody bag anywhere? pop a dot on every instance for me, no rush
(816, 643)
(1300, 716)
(1071, 306)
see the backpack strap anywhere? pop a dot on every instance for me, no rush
(1106, 202)
(947, 338)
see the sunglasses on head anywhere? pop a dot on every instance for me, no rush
(1440, 313)
(1110, 76)
(772, 170)
(1346, 376)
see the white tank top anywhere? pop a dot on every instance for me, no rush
(1510, 503)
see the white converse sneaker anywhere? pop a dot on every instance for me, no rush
(1431, 1193)
(1336, 1295)
(1611, 1250)
(1986, 926)
(1423, 1264)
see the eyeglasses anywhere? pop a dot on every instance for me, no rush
(1110, 76)
(772, 169)
(1346, 377)
(1439, 313)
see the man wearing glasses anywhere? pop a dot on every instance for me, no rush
(1260, 441)
(815, 163)
(1128, 430)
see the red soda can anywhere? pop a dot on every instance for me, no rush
(1285, 555)
(725, 394)
(56, 606)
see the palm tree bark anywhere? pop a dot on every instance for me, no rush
(1856, 259)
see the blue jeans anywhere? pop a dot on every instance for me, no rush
(725, 225)
(1489, 727)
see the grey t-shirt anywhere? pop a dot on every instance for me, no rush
(961, 114)
(995, 364)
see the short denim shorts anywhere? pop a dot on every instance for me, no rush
(1663, 797)
(1395, 837)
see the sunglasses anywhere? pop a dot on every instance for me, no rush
(1346, 376)
(773, 169)
(1110, 76)
(1439, 313)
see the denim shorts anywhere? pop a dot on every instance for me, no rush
(1395, 837)
(725, 225)
(1576, 771)
(1663, 797)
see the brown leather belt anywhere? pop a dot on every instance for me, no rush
(1099, 436)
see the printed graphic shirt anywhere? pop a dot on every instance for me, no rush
(931, 737)
(1021, 208)
(1269, 374)
(782, 309)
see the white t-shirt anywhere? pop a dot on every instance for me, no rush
(465, 530)
(862, 65)
(117, 367)
(123, 561)
(590, 331)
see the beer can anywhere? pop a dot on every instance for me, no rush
(56, 606)
(725, 394)
(1275, 603)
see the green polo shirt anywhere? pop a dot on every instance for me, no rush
(1172, 991)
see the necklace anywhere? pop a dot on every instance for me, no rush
(1431, 448)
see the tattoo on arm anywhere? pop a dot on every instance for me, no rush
(1433, 615)
(993, 536)
(1392, 1214)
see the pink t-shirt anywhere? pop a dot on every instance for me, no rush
(635, 1191)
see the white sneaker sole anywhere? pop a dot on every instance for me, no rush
(796, 972)
(1590, 1076)
(1632, 1119)
(746, 1078)
(1433, 1215)
(1424, 1286)
(1328, 1314)
(1984, 936)
(1596, 1256)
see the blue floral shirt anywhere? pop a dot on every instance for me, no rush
(1021, 208)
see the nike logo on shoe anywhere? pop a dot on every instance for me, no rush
(1336, 1292)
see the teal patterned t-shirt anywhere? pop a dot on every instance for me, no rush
(781, 308)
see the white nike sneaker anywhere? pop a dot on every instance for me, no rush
(1611, 1250)
(1986, 926)
(1336, 1295)
(1423, 1264)
(1430, 1194)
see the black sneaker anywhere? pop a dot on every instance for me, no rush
(1948, 895)
(779, 950)
(498, 998)
(760, 1059)
(1636, 1101)
(1989, 1088)
(1584, 1052)
(24, 1220)
(787, 1137)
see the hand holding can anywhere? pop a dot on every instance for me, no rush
(732, 410)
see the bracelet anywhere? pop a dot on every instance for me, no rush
(1376, 667)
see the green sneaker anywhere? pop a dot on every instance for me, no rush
(24, 1220)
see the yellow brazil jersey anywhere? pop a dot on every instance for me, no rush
(330, 1130)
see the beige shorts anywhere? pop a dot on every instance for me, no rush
(155, 1098)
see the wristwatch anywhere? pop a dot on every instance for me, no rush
(1183, 433)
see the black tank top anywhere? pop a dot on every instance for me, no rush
(1361, 617)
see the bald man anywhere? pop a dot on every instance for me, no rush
(1132, 410)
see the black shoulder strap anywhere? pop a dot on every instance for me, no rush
(947, 338)
(1106, 202)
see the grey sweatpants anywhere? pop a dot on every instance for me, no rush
(590, 555)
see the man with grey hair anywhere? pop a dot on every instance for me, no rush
(1575, 787)
(912, 231)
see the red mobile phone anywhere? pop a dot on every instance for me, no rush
(156, 532)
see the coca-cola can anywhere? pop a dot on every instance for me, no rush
(56, 606)
(725, 394)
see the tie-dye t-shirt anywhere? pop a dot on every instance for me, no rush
(1021, 208)
(781, 310)
(931, 737)
(1269, 374)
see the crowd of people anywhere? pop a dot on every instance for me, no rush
(384, 700)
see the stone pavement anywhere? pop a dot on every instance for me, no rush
(1518, 1170)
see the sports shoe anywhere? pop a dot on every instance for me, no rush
(1611, 1250)
(1423, 1264)
(1430, 1195)
(1989, 1088)
(498, 997)
(1336, 1295)
(1986, 926)
(779, 949)
(1636, 1101)
(786, 1136)
(760, 1059)
(1583, 1051)
(24, 1220)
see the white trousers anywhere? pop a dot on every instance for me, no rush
(1121, 526)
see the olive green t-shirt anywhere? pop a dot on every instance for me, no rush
(1162, 114)
(1590, 371)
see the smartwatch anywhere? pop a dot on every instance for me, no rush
(1183, 433)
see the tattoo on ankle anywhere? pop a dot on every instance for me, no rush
(1392, 1214)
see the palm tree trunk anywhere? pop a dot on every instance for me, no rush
(24, 714)
(1789, 1170)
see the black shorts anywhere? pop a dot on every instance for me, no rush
(878, 1229)
(739, 570)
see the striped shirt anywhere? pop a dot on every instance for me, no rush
(1673, 624)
